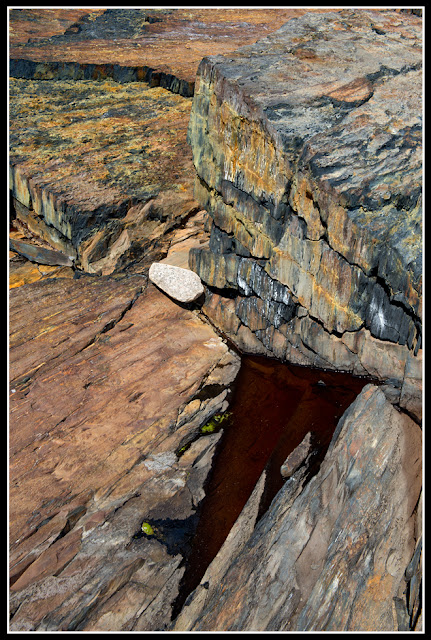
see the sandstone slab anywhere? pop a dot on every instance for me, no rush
(98, 409)
(181, 284)
(30, 25)
(161, 46)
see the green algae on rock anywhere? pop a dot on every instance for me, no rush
(147, 529)
(215, 422)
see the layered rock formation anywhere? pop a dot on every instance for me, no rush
(108, 384)
(95, 136)
(307, 150)
(307, 147)
(98, 169)
(160, 46)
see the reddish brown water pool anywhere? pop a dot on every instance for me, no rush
(274, 406)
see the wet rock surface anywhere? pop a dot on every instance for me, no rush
(329, 554)
(307, 147)
(273, 408)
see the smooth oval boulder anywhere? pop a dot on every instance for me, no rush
(181, 284)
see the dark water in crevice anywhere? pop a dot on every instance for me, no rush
(274, 405)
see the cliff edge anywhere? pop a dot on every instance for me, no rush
(307, 147)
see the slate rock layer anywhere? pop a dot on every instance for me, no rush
(307, 147)
(330, 554)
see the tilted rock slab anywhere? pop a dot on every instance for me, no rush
(307, 147)
(108, 383)
(330, 554)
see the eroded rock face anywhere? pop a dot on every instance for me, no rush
(330, 554)
(101, 404)
(307, 147)
(100, 170)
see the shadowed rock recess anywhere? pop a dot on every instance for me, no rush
(286, 173)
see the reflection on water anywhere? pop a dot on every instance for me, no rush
(274, 406)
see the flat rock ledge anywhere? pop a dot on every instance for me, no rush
(109, 384)
(181, 284)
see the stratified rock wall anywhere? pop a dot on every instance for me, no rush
(307, 147)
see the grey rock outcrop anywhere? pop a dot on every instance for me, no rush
(307, 147)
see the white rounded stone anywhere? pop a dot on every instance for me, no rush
(181, 284)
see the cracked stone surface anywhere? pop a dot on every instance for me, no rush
(307, 147)
(330, 554)
(96, 134)
(307, 150)
(100, 170)
(101, 381)
(161, 46)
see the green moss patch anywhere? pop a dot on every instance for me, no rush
(216, 421)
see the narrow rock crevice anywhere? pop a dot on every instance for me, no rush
(112, 323)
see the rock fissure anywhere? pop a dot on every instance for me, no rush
(306, 154)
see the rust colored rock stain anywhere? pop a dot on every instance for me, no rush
(274, 406)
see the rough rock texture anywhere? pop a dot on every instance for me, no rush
(100, 403)
(193, 234)
(179, 283)
(161, 46)
(24, 271)
(330, 554)
(87, 157)
(308, 162)
(30, 25)
(307, 147)
(298, 457)
(98, 169)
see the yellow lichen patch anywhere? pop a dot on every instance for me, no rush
(29, 272)
(114, 136)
